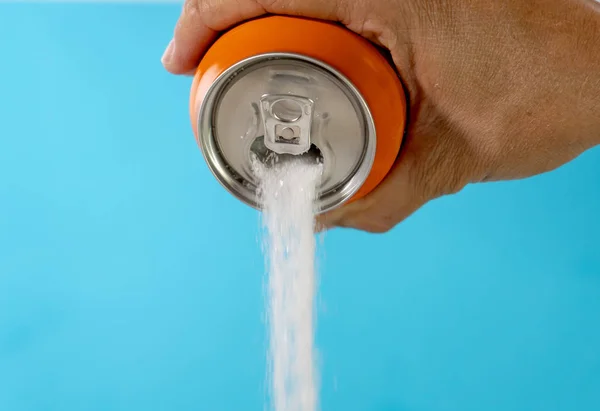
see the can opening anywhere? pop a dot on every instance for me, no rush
(269, 157)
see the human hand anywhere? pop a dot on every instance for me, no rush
(498, 90)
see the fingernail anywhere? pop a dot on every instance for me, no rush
(168, 54)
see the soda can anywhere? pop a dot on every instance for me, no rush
(279, 86)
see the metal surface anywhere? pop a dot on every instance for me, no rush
(286, 104)
(287, 121)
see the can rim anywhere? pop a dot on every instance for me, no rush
(226, 176)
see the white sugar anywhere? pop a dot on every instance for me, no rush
(287, 193)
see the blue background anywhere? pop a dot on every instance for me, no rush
(130, 280)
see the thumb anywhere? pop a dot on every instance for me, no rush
(396, 198)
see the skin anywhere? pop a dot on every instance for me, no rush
(498, 90)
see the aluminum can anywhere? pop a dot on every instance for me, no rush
(287, 86)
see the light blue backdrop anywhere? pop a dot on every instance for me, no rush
(129, 280)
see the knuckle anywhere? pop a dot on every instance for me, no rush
(385, 222)
(270, 5)
(378, 228)
(444, 169)
(192, 7)
(204, 8)
(377, 225)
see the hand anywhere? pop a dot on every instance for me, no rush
(498, 89)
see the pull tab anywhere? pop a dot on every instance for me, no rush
(287, 120)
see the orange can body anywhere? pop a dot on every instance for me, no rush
(359, 61)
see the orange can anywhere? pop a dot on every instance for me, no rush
(288, 86)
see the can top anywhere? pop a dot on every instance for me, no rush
(274, 105)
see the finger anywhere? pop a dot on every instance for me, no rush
(201, 20)
(396, 198)
(435, 161)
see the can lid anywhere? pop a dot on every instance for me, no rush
(277, 105)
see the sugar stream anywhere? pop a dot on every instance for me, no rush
(288, 192)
